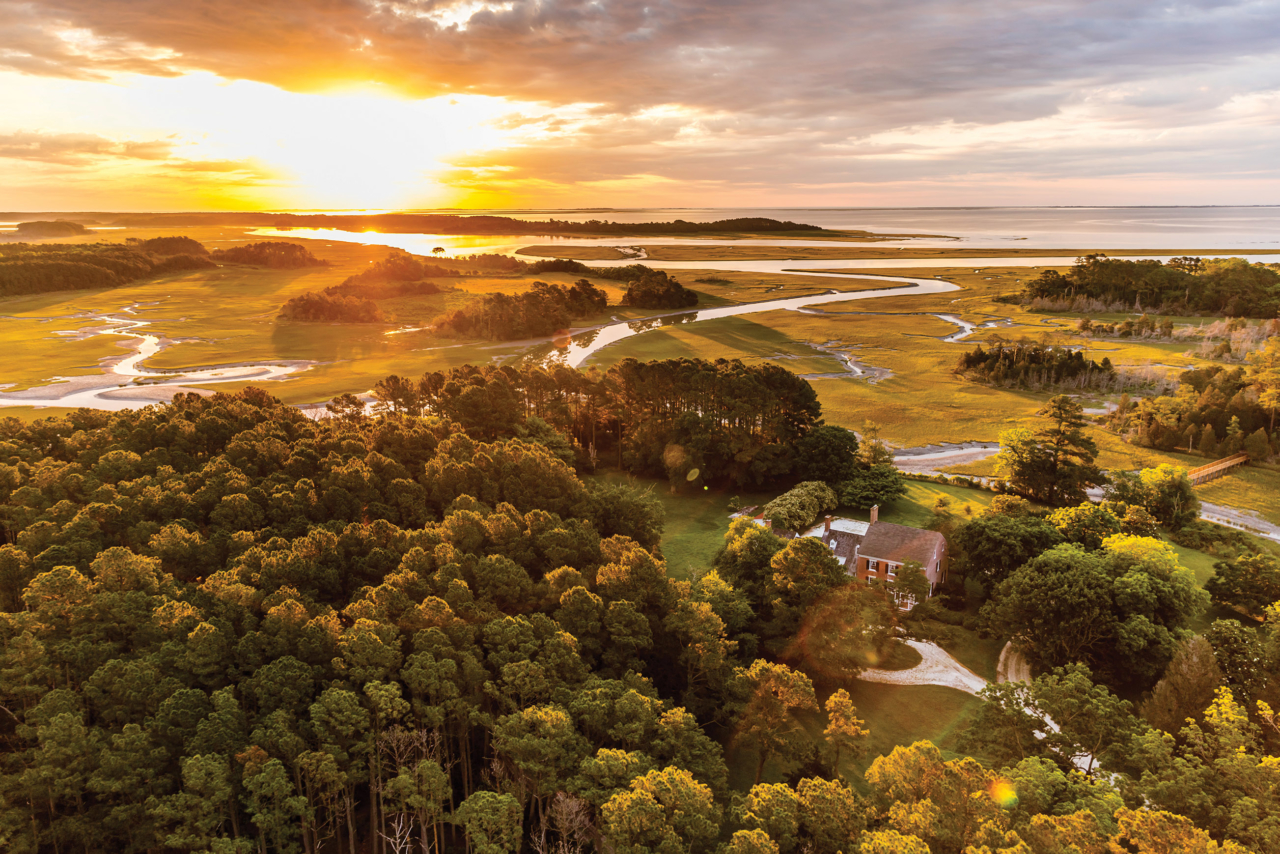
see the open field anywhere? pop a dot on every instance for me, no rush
(1251, 487)
(921, 402)
(227, 315)
(892, 714)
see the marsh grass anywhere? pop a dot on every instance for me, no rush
(1252, 487)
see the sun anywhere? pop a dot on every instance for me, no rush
(361, 146)
(367, 150)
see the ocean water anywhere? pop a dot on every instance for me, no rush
(1048, 227)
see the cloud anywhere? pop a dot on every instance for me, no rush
(73, 149)
(882, 61)
(747, 93)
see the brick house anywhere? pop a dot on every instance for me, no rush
(877, 550)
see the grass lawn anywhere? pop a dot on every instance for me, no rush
(895, 715)
(901, 657)
(903, 714)
(979, 654)
(696, 521)
(916, 508)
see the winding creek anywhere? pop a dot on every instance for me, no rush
(124, 383)
(141, 387)
(578, 348)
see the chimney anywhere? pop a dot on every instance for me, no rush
(826, 527)
(875, 514)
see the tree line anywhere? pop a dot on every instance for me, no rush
(1033, 366)
(274, 254)
(689, 420)
(50, 228)
(353, 300)
(1216, 411)
(544, 309)
(538, 312)
(27, 268)
(1226, 286)
(646, 287)
(399, 223)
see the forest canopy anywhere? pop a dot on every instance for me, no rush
(722, 421)
(33, 268)
(1034, 366)
(544, 309)
(1231, 287)
(50, 228)
(275, 254)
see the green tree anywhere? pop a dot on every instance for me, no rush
(1087, 524)
(1055, 465)
(1057, 608)
(774, 809)
(803, 571)
(751, 842)
(1186, 689)
(745, 560)
(1007, 727)
(1212, 778)
(880, 484)
(845, 735)
(873, 451)
(916, 793)
(991, 547)
(827, 453)
(491, 821)
(1240, 655)
(1251, 582)
(1164, 491)
(667, 812)
(1264, 372)
(797, 508)
(1121, 610)
(772, 697)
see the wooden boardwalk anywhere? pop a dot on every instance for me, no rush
(1217, 468)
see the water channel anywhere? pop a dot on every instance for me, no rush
(108, 391)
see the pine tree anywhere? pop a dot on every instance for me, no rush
(1208, 445)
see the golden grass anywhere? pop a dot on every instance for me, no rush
(228, 315)
(1251, 487)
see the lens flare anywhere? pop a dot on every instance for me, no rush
(1003, 793)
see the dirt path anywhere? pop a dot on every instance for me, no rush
(1013, 666)
(936, 667)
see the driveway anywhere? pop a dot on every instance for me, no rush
(936, 667)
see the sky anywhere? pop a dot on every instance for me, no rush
(381, 104)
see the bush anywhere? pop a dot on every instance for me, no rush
(276, 254)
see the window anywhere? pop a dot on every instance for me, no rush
(872, 565)
(891, 568)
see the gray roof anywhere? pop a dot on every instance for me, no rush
(900, 543)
